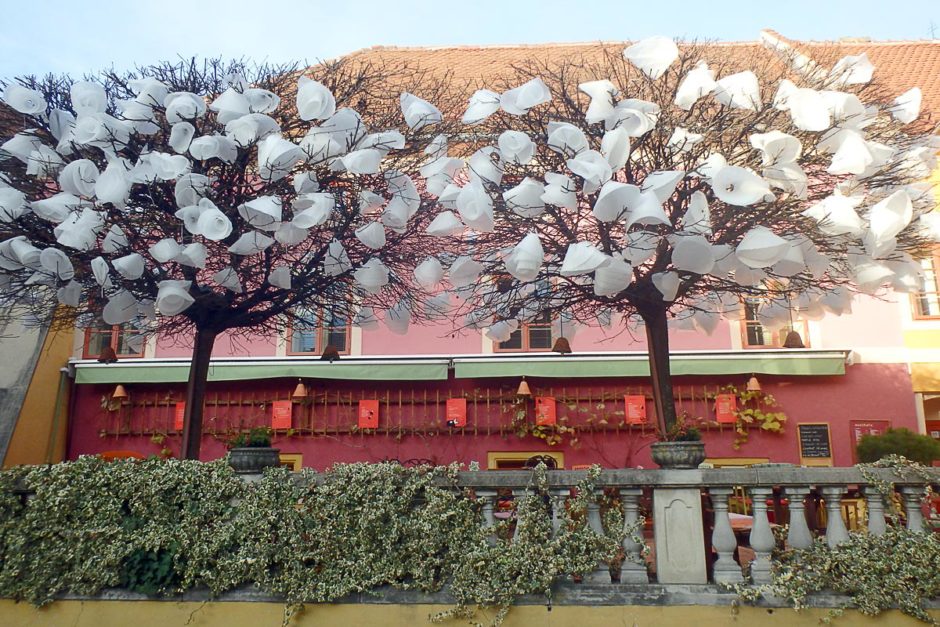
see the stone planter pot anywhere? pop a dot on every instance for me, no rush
(253, 460)
(678, 454)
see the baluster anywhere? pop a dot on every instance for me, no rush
(762, 537)
(799, 536)
(912, 501)
(489, 520)
(517, 495)
(836, 532)
(875, 502)
(633, 569)
(559, 497)
(601, 574)
(726, 569)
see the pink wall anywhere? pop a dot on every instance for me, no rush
(225, 346)
(872, 323)
(866, 392)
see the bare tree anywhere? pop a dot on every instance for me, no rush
(196, 198)
(646, 184)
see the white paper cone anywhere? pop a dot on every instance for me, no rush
(372, 235)
(502, 330)
(652, 55)
(193, 255)
(740, 187)
(464, 271)
(445, 224)
(228, 278)
(165, 250)
(56, 262)
(250, 243)
(129, 266)
(582, 258)
(612, 278)
(483, 103)
(429, 273)
(761, 248)
(692, 253)
(667, 283)
(525, 259)
(262, 213)
(372, 276)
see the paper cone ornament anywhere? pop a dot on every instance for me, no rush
(336, 261)
(486, 166)
(602, 94)
(483, 104)
(747, 276)
(181, 135)
(12, 204)
(398, 318)
(248, 129)
(478, 319)
(70, 295)
(28, 101)
(8, 259)
(228, 278)
(761, 248)
(697, 83)
(653, 55)
(615, 146)
(173, 297)
(213, 147)
(190, 217)
(502, 331)
(464, 271)
(364, 161)
(636, 117)
(476, 207)
(429, 273)
(333, 137)
(372, 276)
(615, 200)
(190, 189)
(739, 91)
(80, 230)
(280, 277)
(120, 308)
(316, 209)
(559, 191)
(519, 100)
(593, 168)
(366, 319)
(613, 278)
(165, 250)
(853, 70)
(21, 146)
(683, 141)
(57, 263)
(113, 185)
(418, 113)
(516, 147)
(792, 262)
(662, 184)
(525, 199)
(640, 246)
(396, 214)
(697, 218)
(907, 106)
(890, 216)
(809, 110)
(372, 235)
(566, 139)
(230, 105)
(667, 283)
(776, 147)
(837, 216)
(305, 182)
(384, 141)
(250, 243)
(214, 225)
(446, 223)
(276, 157)
(692, 253)
(525, 260)
(314, 100)
(647, 210)
(740, 187)
(79, 178)
(182, 106)
(192, 255)
(25, 253)
(262, 213)
(852, 156)
(114, 241)
(725, 262)
(130, 266)
(582, 258)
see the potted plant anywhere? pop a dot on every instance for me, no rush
(250, 452)
(679, 447)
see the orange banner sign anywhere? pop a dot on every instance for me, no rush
(281, 414)
(635, 409)
(368, 414)
(545, 410)
(725, 407)
(456, 412)
(178, 415)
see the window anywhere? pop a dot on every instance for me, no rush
(117, 337)
(515, 460)
(926, 301)
(530, 336)
(317, 329)
(754, 335)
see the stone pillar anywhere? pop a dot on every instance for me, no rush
(517, 494)
(489, 520)
(762, 537)
(600, 574)
(559, 497)
(680, 538)
(633, 569)
(836, 533)
(799, 535)
(912, 499)
(875, 502)
(726, 569)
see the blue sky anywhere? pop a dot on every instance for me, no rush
(39, 36)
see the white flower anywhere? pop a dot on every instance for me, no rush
(183, 106)
(314, 100)
(28, 101)
(88, 97)
(516, 147)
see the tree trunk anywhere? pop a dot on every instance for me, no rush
(657, 339)
(196, 393)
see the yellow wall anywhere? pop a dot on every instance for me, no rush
(238, 614)
(33, 441)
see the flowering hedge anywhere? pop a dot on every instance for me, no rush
(165, 527)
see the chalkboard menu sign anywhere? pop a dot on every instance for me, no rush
(814, 440)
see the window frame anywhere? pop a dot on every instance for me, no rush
(778, 337)
(918, 295)
(116, 331)
(525, 329)
(321, 332)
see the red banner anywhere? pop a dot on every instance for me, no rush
(369, 414)
(545, 410)
(178, 415)
(456, 412)
(635, 409)
(282, 414)
(725, 407)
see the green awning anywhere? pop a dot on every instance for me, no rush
(179, 372)
(567, 367)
